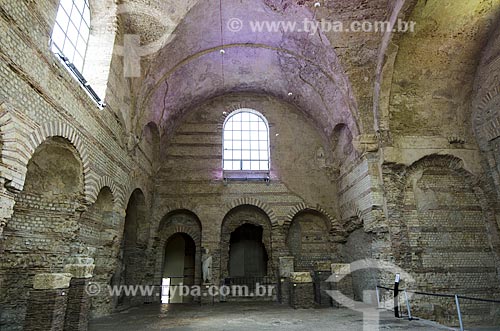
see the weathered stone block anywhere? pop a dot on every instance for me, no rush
(301, 277)
(51, 281)
(286, 266)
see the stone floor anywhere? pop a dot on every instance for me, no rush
(247, 316)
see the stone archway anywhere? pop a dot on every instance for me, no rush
(246, 224)
(42, 232)
(133, 248)
(178, 268)
(309, 239)
(177, 222)
(98, 234)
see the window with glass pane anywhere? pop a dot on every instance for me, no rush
(71, 31)
(246, 141)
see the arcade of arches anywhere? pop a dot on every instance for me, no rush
(223, 157)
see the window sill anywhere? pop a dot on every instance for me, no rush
(246, 175)
(77, 75)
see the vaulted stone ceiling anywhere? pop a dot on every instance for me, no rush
(369, 81)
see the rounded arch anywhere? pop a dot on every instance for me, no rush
(55, 168)
(58, 129)
(130, 187)
(285, 62)
(301, 207)
(44, 226)
(439, 202)
(177, 221)
(107, 182)
(485, 122)
(250, 201)
(436, 160)
(192, 227)
(309, 239)
(235, 218)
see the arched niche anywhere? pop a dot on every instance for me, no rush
(44, 224)
(178, 222)
(309, 239)
(132, 253)
(179, 268)
(98, 232)
(252, 225)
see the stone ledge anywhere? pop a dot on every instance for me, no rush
(80, 270)
(300, 277)
(51, 281)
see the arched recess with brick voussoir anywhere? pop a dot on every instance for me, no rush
(40, 239)
(246, 256)
(309, 239)
(132, 252)
(98, 234)
(446, 235)
(178, 250)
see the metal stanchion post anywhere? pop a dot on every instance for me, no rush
(408, 305)
(396, 292)
(459, 313)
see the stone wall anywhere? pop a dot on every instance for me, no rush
(442, 233)
(39, 100)
(191, 176)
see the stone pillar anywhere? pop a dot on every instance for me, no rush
(286, 268)
(78, 308)
(301, 290)
(206, 295)
(342, 274)
(47, 303)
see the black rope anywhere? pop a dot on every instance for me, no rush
(443, 295)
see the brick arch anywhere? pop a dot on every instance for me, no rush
(482, 115)
(15, 130)
(129, 188)
(106, 181)
(448, 161)
(304, 207)
(58, 129)
(165, 233)
(256, 203)
(180, 206)
(233, 220)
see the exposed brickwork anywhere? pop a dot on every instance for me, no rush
(46, 310)
(345, 183)
(78, 306)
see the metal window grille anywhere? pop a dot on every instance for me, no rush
(246, 141)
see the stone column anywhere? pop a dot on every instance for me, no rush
(301, 290)
(78, 308)
(47, 303)
(286, 269)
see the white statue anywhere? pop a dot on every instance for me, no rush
(207, 269)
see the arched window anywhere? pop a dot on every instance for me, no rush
(71, 32)
(246, 141)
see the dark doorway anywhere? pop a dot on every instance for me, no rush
(247, 254)
(178, 268)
